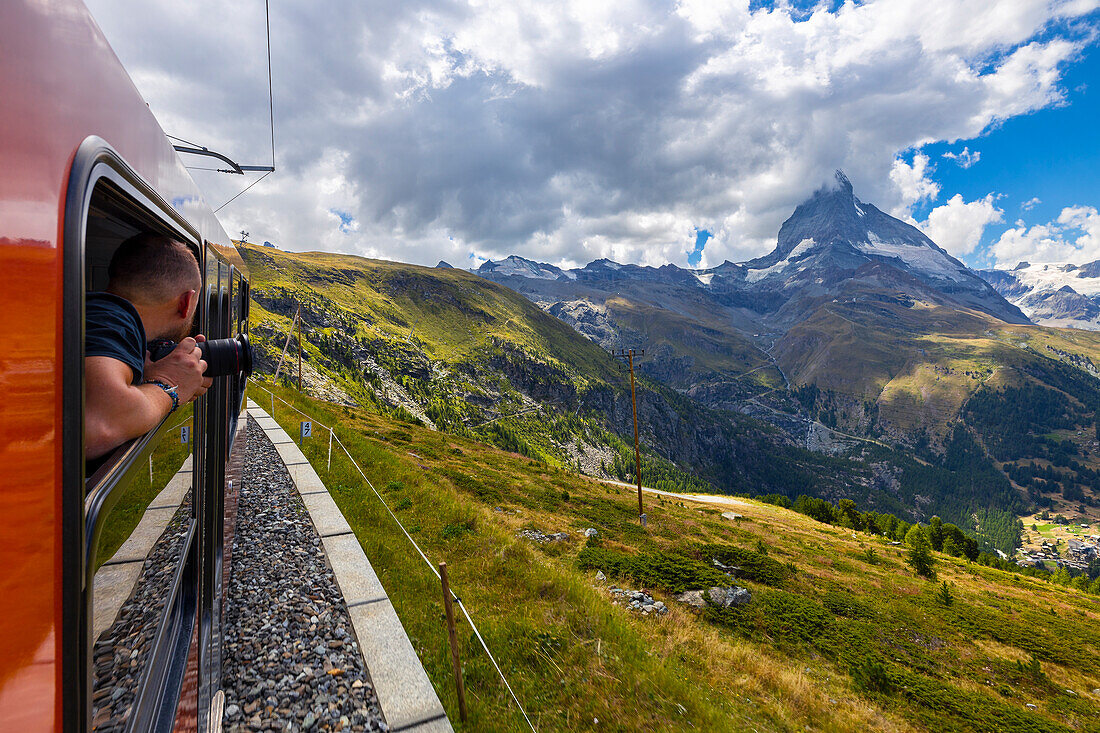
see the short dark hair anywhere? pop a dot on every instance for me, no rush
(153, 268)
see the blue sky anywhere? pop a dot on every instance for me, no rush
(1052, 154)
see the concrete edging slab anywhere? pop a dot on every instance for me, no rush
(405, 694)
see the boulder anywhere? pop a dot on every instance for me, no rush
(732, 596)
(590, 532)
(731, 516)
(692, 598)
(600, 575)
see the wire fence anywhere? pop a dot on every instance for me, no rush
(423, 556)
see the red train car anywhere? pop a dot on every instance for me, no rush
(111, 584)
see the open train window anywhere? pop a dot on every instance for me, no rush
(113, 216)
(130, 517)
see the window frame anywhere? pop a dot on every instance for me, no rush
(96, 163)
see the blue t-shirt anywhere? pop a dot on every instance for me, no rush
(112, 327)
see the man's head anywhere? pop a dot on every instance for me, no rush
(161, 277)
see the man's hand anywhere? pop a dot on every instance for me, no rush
(183, 368)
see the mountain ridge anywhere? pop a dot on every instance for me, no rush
(1052, 294)
(827, 241)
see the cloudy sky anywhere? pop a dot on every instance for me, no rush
(566, 131)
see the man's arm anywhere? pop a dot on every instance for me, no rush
(116, 410)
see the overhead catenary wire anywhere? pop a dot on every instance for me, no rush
(419, 551)
(265, 175)
(270, 94)
(188, 142)
(236, 168)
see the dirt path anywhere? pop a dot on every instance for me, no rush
(700, 498)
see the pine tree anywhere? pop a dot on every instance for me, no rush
(920, 552)
(1061, 576)
(935, 533)
(950, 548)
(943, 595)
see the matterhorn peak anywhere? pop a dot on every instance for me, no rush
(842, 183)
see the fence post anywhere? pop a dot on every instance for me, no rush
(330, 450)
(454, 641)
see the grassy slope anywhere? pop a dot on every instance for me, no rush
(401, 301)
(573, 658)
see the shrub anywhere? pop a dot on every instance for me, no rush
(845, 604)
(792, 618)
(458, 529)
(754, 565)
(675, 572)
(871, 676)
(1032, 669)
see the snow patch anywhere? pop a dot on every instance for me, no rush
(704, 278)
(802, 248)
(917, 256)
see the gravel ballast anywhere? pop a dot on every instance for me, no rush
(291, 661)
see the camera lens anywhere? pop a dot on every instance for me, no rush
(227, 356)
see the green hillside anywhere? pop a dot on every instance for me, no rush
(453, 351)
(456, 352)
(840, 633)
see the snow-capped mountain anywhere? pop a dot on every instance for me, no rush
(515, 265)
(1061, 295)
(832, 244)
(834, 240)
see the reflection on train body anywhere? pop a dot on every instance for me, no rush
(135, 557)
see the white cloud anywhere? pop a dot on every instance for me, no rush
(958, 225)
(964, 158)
(565, 130)
(913, 182)
(1073, 237)
(1031, 203)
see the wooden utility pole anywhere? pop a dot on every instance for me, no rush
(282, 356)
(455, 660)
(628, 355)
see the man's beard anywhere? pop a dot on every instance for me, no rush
(176, 334)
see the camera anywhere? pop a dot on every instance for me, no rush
(222, 356)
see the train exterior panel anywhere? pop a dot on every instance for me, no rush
(83, 162)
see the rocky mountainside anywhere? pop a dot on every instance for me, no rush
(454, 352)
(1062, 295)
(856, 331)
(461, 354)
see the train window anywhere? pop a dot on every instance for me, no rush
(134, 504)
